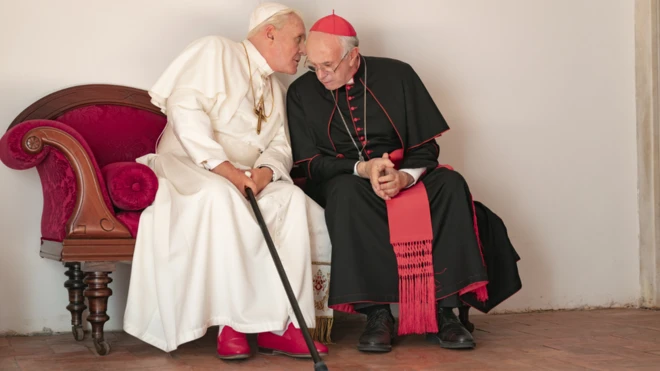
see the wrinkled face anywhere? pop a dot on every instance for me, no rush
(326, 57)
(287, 46)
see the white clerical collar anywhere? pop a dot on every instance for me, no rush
(352, 80)
(257, 61)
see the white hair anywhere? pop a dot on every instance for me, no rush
(348, 43)
(277, 20)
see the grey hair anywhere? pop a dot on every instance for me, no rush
(277, 20)
(348, 43)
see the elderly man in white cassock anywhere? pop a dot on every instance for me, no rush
(200, 257)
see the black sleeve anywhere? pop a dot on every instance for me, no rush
(425, 155)
(316, 165)
(424, 123)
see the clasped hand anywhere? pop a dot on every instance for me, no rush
(386, 181)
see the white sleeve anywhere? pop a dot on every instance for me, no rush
(186, 111)
(277, 155)
(415, 173)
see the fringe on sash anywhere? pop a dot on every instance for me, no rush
(417, 312)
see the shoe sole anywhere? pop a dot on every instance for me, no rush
(447, 345)
(233, 357)
(373, 348)
(271, 352)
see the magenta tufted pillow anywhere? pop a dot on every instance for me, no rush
(132, 186)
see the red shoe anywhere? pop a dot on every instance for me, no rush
(232, 344)
(291, 343)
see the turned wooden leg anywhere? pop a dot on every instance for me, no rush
(97, 294)
(464, 316)
(76, 305)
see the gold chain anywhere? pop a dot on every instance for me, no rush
(259, 108)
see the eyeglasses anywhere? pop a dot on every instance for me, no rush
(325, 69)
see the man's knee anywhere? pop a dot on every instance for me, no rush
(284, 192)
(450, 180)
(296, 193)
(217, 188)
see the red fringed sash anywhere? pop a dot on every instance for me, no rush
(411, 236)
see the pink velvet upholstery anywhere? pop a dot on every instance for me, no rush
(116, 133)
(59, 190)
(130, 219)
(57, 177)
(11, 150)
(132, 186)
(110, 134)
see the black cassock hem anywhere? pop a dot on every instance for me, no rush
(394, 298)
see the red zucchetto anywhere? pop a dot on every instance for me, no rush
(334, 25)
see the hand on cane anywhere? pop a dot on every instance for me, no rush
(262, 177)
(237, 177)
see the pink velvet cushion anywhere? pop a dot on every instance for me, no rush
(131, 186)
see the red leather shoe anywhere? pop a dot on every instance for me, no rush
(232, 344)
(291, 343)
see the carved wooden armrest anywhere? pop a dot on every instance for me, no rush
(91, 218)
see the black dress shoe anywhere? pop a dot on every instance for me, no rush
(452, 334)
(378, 335)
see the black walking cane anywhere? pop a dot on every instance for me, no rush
(319, 365)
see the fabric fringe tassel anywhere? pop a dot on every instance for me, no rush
(482, 294)
(417, 312)
(323, 330)
(478, 288)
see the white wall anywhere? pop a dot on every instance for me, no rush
(539, 95)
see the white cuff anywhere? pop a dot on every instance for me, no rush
(415, 173)
(272, 168)
(355, 169)
(211, 164)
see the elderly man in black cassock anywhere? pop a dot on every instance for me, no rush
(403, 229)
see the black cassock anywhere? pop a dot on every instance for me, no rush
(400, 113)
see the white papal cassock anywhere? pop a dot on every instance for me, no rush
(200, 257)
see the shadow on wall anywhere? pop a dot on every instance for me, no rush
(486, 185)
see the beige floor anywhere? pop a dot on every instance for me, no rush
(594, 340)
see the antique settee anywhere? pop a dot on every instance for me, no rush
(83, 142)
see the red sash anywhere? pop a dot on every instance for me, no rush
(411, 236)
